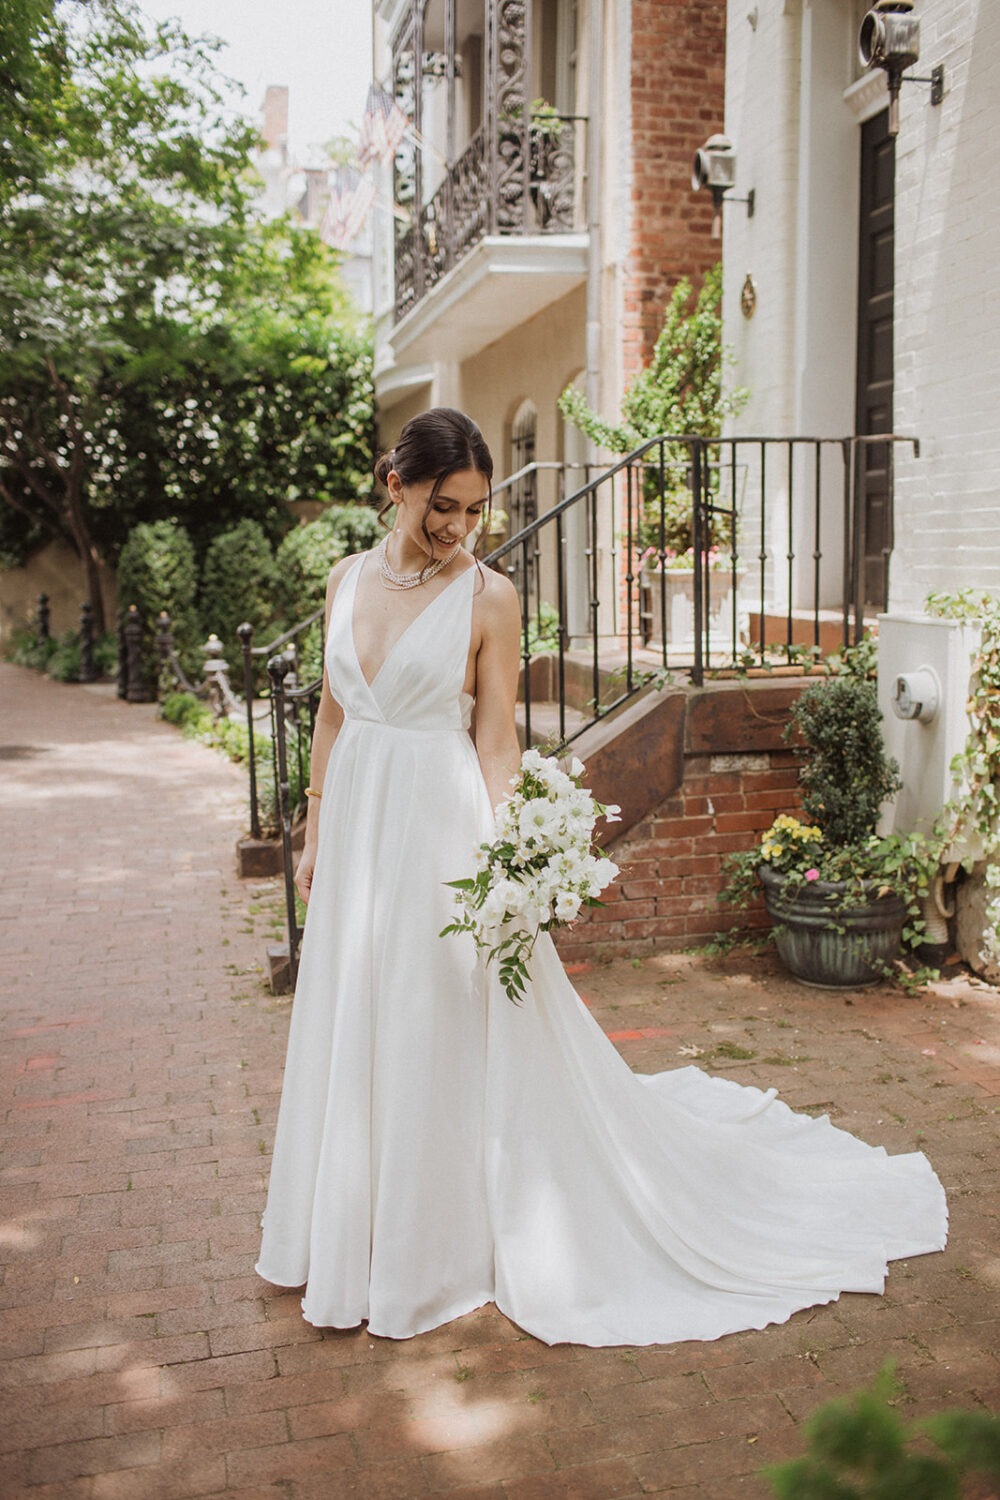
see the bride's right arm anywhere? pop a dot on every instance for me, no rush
(329, 717)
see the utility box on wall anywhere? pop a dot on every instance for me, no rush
(924, 667)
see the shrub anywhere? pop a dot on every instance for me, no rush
(307, 554)
(239, 581)
(845, 773)
(26, 650)
(157, 571)
(183, 709)
(64, 662)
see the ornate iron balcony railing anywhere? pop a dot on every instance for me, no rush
(508, 181)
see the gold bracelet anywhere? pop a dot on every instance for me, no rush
(311, 793)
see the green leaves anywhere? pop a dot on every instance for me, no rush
(163, 356)
(680, 390)
(844, 771)
(859, 1448)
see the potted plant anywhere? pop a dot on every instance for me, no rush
(840, 897)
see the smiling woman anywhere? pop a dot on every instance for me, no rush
(438, 1147)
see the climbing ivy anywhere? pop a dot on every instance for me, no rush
(975, 808)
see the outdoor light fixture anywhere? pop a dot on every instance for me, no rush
(889, 38)
(715, 168)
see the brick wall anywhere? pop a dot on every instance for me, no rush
(677, 84)
(729, 775)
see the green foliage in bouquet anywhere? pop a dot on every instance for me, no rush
(539, 870)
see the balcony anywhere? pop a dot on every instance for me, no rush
(506, 228)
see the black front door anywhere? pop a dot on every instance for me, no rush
(873, 534)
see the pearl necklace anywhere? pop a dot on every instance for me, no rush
(393, 580)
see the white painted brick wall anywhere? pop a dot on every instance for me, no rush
(948, 309)
(796, 355)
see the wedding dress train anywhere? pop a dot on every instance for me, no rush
(439, 1147)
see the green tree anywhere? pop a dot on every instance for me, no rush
(680, 391)
(161, 356)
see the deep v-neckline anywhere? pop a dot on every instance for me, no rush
(353, 602)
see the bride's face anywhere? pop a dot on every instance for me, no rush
(455, 511)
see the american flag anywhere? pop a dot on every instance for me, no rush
(382, 127)
(351, 195)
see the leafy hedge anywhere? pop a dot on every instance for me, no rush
(307, 554)
(156, 571)
(239, 581)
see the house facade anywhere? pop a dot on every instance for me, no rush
(539, 209)
(863, 296)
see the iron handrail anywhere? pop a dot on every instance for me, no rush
(693, 453)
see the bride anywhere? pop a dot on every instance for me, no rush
(438, 1147)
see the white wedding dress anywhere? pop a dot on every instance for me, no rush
(439, 1147)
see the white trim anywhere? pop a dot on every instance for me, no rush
(867, 96)
(538, 270)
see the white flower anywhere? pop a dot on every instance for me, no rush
(567, 906)
(539, 819)
(539, 869)
(576, 767)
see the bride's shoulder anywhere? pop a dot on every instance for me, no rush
(497, 601)
(338, 573)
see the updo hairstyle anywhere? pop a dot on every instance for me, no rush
(432, 446)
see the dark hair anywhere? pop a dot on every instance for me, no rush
(431, 447)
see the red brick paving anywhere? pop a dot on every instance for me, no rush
(141, 1357)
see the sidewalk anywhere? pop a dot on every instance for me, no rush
(140, 1357)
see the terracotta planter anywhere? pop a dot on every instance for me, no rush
(675, 588)
(824, 945)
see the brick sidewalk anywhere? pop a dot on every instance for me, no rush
(142, 1358)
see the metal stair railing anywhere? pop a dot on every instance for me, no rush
(756, 507)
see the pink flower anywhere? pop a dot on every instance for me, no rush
(812, 874)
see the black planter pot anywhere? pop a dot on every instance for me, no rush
(825, 945)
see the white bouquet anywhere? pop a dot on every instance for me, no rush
(538, 871)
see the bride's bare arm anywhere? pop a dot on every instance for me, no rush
(498, 661)
(329, 717)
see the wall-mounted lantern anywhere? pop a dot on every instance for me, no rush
(889, 38)
(715, 168)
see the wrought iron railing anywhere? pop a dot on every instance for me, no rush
(495, 187)
(287, 648)
(694, 554)
(293, 719)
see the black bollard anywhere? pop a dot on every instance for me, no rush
(122, 657)
(88, 672)
(136, 690)
(44, 631)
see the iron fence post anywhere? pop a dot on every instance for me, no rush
(136, 690)
(277, 670)
(700, 560)
(122, 656)
(244, 633)
(43, 618)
